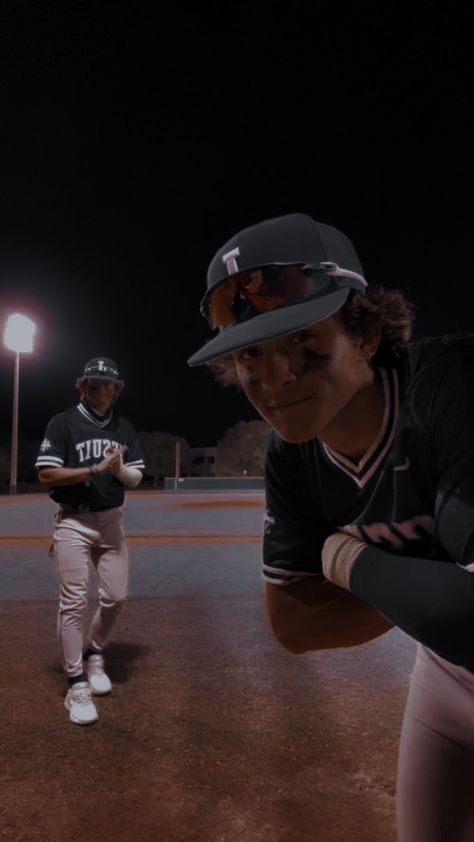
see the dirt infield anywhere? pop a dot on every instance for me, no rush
(212, 732)
(221, 504)
(136, 540)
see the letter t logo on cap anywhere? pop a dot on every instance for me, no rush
(230, 261)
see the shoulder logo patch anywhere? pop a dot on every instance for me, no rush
(268, 523)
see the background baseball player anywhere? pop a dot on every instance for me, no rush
(88, 455)
(369, 475)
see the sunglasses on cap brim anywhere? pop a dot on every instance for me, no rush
(264, 288)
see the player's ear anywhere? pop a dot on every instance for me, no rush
(369, 343)
(80, 385)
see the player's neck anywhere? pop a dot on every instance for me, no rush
(95, 411)
(355, 429)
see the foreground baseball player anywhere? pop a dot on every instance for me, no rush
(88, 455)
(369, 478)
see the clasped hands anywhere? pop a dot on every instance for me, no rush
(112, 462)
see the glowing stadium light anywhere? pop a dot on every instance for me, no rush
(18, 337)
(19, 332)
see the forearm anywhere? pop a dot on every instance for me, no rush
(432, 601)
(130, 477)
(64, 476)
(314, 614)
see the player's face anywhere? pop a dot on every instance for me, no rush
(100, 394)
(303, 383)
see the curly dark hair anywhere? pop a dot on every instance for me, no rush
(379, 309)
(384, 310)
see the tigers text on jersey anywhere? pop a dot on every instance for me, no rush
(408, 492)
(78, 438)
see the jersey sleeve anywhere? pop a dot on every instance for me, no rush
(433, 600)
(53, 450)
(451, 427)
(293, 532)
(134, 454)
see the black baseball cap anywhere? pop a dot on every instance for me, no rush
(305, 270)
(102, 368)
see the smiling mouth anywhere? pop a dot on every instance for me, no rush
(290, 404)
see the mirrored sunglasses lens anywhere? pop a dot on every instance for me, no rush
(258, 291)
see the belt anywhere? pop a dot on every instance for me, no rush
(76, 510)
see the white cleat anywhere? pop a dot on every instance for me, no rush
(99, 681)
(78, 702)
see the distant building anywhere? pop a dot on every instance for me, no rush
(203, 461)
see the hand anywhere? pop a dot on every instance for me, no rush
(112, 462)
(339, 553)
(115, 456)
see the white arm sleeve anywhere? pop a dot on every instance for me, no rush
(129, 476)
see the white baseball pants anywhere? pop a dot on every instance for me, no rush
(79, 540)
(435, 786)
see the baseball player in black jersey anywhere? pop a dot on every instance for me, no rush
(369, 477)
(88, 456)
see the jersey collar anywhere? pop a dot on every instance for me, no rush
(368, 465)
(99, 420)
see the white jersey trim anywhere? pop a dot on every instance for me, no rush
(282, 582)
(52, 461)
(353, 469)
(91, 418)
(283, 572)
(280, 576)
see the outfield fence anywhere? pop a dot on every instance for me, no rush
(214, 484)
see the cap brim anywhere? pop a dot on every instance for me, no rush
(270, 326)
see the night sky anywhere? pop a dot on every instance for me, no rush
(136, 142)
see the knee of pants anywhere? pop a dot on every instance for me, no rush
(72, 603)
(109, 601)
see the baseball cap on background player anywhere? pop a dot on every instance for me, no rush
(273, 278)
(101, 368)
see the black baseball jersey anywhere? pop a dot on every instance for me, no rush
(412, 494)
(78, 438)
(410, 499)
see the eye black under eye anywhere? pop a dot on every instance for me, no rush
(248, 353)
(312, 356)
(301, 337)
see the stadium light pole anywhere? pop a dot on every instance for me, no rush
(177, 464)
(18, 337)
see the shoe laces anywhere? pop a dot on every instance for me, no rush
(81, 695)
